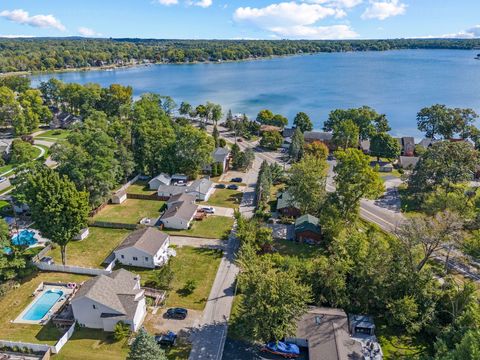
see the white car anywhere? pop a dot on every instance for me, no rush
(208, 209)
(2, 179)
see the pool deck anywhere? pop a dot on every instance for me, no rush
(41, 289)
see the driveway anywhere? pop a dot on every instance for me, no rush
(282, 231)
(224, 211)
(181, 241)
(158, 324)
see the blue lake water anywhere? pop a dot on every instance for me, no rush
(43, 305)
(397, 83)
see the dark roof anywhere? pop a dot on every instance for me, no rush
(288, 132)
(307, 223)
(148, 240)
(326, 330)
(317, 136)
(184, 210)
(285, 200)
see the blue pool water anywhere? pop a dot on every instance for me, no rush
(24, 238)
(41, 307)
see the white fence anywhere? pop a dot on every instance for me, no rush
(111, 265)
(63, 340)
(22, 345)
(125, 187)
(71, 269)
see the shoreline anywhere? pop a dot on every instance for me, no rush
(209, 62)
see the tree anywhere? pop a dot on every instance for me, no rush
(317, 149)
(345, 134)
(302, 121)
(144, 347)
(18, 84)
(168, 104)
(12, 262)
(367, 120)
(385, 146)
(22, 152)
(10, 111)
(266, 117)
(429, 234)
(216, 113)
(216, 135)
(121, 331)
(295, 151)
(114, 97)
(59, 210)
(272, 301)
(185, 108)
(440, 120)
(306, 183)
(271, 140)
(355, 179)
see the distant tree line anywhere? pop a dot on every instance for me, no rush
(46, 54)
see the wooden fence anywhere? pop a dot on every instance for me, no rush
(114, 225)
(147, 197)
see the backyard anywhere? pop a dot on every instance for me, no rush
(131, 211)
(140, 188)
(225, 198)
(196, 264)
(56, 134)
(212, 227)
(92, 251)
(15, 300)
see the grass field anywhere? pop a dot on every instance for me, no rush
(131, 211)
(58, 134)
(197, 264)
(225, 198)
(92, 251)
(292, 248)
(13, 303)
(140, 188)
(212, 227)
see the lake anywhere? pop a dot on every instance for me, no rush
(397, 83)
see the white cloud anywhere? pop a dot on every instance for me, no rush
(16, 36)
(337, 3)
(382, 10)
(296, 20)
(84, 31)
(22, 17)
(168, 2)
(471, 33)
(202, 3)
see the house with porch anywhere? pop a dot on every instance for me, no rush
(286, 205)
(307, 229)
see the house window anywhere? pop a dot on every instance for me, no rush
(122, 256)
(146, 258)
(94, 306)
(135, 258)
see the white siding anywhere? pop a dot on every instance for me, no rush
(127, 257)
(88, 316)
(176, 223)
(139, 315)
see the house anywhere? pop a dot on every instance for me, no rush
(63, 120)
(159, 180)
(286, 205)
(180, 198)
(221, 156)
(365, 146)
(201, 188)
(179, 216)
(407, 145)
(408, 162)
(307, 229)
(119, 196)
(383, 166)
(427, 142)
(288, 132)
(325, 332)
(82, 235)
(324, 137)
(103, 301)
(146, 248)
(166, 191)
(5, 147)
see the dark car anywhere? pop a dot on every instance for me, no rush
(167, 339)
(220, 186)
(237, 180)
(232, 187)
(176, 313)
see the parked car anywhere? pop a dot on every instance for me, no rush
(2, 179)
(176, 313)
(167, 339)
(47, 260)
(220, 186)
(208, 209)
(284, 349)
(232, 187)
(239, 140)
(237, 180)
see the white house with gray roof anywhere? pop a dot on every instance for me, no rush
(159, 180)
(179, 216)
(146, 248)
(103, 301)
(201, 188)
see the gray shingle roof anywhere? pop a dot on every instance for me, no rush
(317, 135)
(116, 291)
(183, 210)
(148, 240)
(220, 154)
(172, 189)
(285, 200)
(201, 186)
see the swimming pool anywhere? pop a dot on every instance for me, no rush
(42, 306)
(24, 238)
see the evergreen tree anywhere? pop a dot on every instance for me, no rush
(144, 347)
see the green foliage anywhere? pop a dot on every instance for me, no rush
(144, 347)
(471, 245)
(22, 152)
(346, 134)
(162, 279)
(241, 160)
(14, 262)
(302, 121)
(121, 331)
(317, 149)
(263, 186)
(295, 151)
(271, 140)
(189, 287)
(59, 210)
(266, 117)
(382, 145)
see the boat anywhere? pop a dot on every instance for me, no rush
(287, 350)
(477, 57)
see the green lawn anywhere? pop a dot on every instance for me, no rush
(196, 264)
(225, 198)
(58, 134)
(92, 251)
(5, 168)
(13, 303)
(131, 211)
(140, 188)
(292, 248)
(212, 227)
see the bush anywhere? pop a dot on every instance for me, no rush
(121, 331)
(163, 278)
(189, 287)
(22, 152)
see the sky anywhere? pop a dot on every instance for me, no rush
(241, 19)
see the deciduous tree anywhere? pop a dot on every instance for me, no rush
(302, 121)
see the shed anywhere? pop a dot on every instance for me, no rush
(307, 229)
(83, 234)
(119, 197)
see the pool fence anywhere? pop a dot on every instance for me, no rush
(71, 269)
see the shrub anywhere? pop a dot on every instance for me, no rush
(189, 287)
(121, 331)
